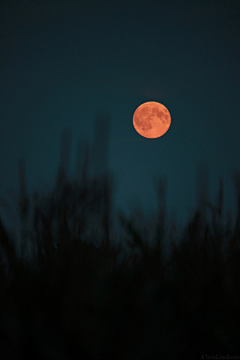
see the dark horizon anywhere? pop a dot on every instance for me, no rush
(69, 289)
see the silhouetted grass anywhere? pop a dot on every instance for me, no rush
(74, 296)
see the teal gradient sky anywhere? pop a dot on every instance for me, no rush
(65, 62)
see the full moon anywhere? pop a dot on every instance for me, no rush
(151, 120)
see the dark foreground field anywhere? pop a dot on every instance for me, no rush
(74, 291)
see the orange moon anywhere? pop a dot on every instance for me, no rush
(151, 120)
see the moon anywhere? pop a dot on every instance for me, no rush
(151, 120)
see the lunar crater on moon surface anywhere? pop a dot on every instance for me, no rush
(151, 120)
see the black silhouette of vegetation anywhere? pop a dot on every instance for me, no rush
(74, 292)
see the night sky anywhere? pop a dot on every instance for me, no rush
(62, 63)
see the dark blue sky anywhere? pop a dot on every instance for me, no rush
(64, 62)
